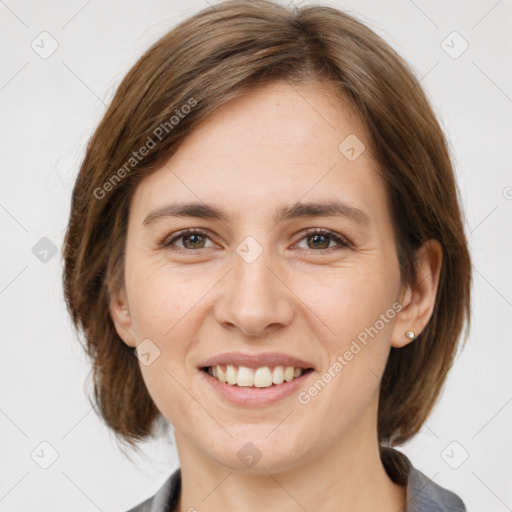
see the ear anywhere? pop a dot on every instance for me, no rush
(120, 314)
(418, 301)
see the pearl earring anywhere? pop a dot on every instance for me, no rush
(410, 335)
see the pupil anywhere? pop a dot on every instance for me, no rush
(189, 237)
(316, 237)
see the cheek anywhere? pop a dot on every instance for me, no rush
(161, 298)
(349, 301)
(164, 311)
(355, 322)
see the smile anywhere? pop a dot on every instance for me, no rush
(261, 377)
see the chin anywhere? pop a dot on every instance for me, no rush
(258, 457)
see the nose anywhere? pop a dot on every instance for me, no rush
(256, 299)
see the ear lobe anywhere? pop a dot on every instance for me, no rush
(419, 300)
(120, 314)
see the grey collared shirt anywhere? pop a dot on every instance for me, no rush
(423, 495)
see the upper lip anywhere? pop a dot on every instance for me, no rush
(256, 360)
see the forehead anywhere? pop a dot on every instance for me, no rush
(280, 120)
(279, 143)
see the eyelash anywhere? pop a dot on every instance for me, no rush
(343, 242)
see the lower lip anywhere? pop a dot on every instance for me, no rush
(254, 397)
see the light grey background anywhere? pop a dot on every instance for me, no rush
(50, 108)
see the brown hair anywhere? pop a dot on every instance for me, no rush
(218, 54)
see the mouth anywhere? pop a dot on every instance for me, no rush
(255, 377)
(255, 380)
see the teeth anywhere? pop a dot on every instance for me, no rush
(278, 375)
(263, 377)
(231, 375)
(245, 376)
(221, 374)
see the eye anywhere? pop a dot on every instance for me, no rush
(192, 239)
(320, 239)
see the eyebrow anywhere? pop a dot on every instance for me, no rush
(288, 212)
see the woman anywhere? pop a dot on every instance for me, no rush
(267, 217)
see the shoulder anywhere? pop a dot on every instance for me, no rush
(423, 494)
(165, 499)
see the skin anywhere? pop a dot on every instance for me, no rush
(266, 149)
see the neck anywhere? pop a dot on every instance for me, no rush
(346, 477)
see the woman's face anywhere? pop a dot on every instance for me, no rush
(263, 282)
